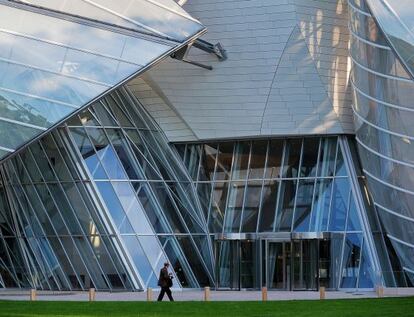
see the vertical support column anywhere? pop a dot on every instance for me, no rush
(92, 295)
(33, 294)
(149, 294)
(206, 294)
(264, 294)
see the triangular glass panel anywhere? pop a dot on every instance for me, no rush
(339, 205)
(88, 118)
(118, 114)
(366, 278)
(340, 169)
(104, 116)
(353, 223)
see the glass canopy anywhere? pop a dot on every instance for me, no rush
(52, 64)
(395, 18)
(164, 18)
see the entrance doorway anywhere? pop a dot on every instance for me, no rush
(292, 265)
(237, 264)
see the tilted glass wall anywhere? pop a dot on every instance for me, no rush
(103, 202)
(52, 64)
(384, 116)
(283, 185)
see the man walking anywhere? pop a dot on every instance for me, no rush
(165, 282)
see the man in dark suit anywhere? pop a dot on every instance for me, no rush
(165, 282)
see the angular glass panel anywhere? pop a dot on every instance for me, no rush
(192, 159)
(68, 214)
(321, 205)
(42, 161)
(234, 207)
(327, 157)
(187, 211)
(241, 160)
(81, 275)
(286, 205)
(258, 159)
(218, 206)
(153, 251)
(64, 262)
(351, 260)
(176, 258)
(224, 160)
(114, 207)
(16, 134)
(112, 105)
(132, 208)
(107, 154)
(204, 194)
(303, 206)
(34, 111)
(366, 278)
(49, 205)
(121, 148)
(55, 158)
(142, 156)
(251, 206)
(138, 257)
(80, 209)
(340, 169)
(353, 223)
(274, 159)
(70, 62)
(339, 205)
(268, 208)
(336, 243)
(28, 168)
(100, 111)
(151, 208)
(87, 118)
(208, 162)
(168, 208)
(309, 157)
(193, 258)
(292, 158)
(165, 18)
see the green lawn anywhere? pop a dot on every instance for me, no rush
(394, 307)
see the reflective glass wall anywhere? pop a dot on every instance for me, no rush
(384, 116)
(103, 202)
(297, 185)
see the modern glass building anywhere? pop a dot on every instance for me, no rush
(274, 151)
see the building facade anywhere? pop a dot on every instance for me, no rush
(268, 145)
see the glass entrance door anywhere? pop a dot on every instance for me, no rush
(305, 262)
(292, 265)
(237, 264)
(277, 260)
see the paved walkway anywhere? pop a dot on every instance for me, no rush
(199, 295)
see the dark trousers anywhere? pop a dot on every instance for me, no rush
(162, 293)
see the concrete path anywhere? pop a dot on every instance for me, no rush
(192, 295)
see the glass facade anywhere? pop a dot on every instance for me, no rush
(103, 202)
(103, 199)
(383, 112)
(53, 64)
(273, 187)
